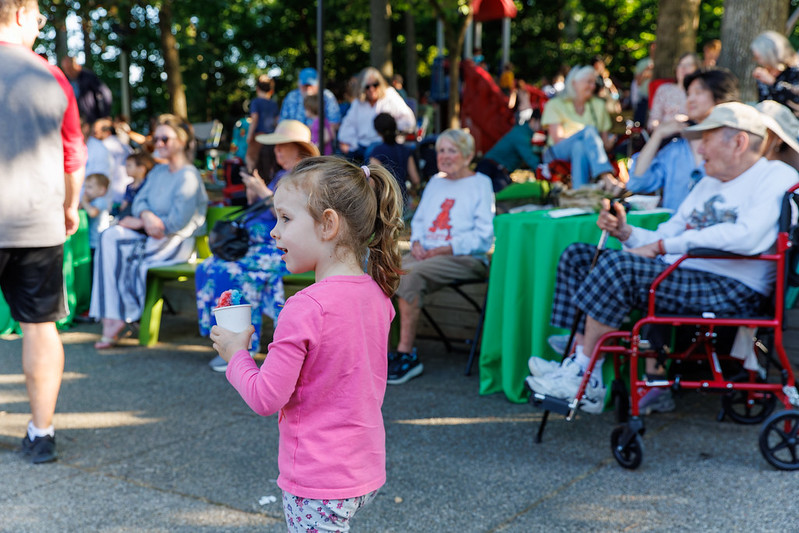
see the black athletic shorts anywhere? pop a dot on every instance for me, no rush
(32, 280)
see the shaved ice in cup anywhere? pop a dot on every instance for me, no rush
(231, 313)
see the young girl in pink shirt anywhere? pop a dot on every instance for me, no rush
(325, 372)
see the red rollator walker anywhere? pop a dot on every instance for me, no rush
(748, 397)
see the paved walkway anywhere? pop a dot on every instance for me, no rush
(152, 440)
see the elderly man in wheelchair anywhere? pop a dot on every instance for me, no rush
(735, 209)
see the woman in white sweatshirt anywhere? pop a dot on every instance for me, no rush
(451, 232)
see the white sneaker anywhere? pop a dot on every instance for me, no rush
(593, 401)
(541, 367)
(560, 383)
(565, 382)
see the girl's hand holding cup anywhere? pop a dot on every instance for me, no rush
(227, 343)
(234, 327)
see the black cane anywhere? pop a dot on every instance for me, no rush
(600, 247)
(578, 315)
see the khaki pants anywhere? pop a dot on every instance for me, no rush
(429, 275)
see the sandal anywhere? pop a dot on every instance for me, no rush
(106, 342)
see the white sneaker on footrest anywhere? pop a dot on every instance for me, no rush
(541, 367)
(564, 383)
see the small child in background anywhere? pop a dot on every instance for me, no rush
(137, 165)
(397, 158)
(326, 368)
(311, 104)
(97, 205)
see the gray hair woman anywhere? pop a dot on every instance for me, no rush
(451, 232)
(578, 126)
(777, 73)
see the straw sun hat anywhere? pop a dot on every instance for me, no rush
(290, 131)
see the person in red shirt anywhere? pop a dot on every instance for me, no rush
(41, 170)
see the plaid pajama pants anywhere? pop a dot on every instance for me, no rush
(620, 282)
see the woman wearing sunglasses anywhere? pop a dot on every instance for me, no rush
(167, 213)
(357, 133)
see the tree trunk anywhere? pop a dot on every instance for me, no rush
(308, 26)
(57, 13)
(454, 35)
(411, 57)
(455, 44)
(743, 20)
(86, 28)
(380, 33)
(169, 47)
(677, 23)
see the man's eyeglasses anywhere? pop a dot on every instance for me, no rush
(374, 85)
(162, 139)
(41, 20)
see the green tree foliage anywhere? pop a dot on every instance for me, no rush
(225, 44)
(550, 33)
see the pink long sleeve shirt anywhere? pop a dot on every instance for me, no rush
(326, 374)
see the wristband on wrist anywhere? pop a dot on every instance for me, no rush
(661, 248)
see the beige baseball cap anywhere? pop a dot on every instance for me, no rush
(289, 131)
(781, 121)
(730, 115)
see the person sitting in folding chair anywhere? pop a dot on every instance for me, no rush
(735, 209)
(451, 233)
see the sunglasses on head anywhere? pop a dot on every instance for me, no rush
(374, 85)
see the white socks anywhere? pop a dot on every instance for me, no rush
(583, 360)
(34, 432)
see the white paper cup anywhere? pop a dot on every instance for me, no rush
(235, 318)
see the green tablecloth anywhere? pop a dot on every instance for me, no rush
(519, 191)
(520, 289)
(77, 278)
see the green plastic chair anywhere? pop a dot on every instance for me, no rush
(82, 266)
(150, 322)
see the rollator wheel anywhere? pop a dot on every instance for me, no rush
(748, 407)
(779, 440)
(629, 456)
